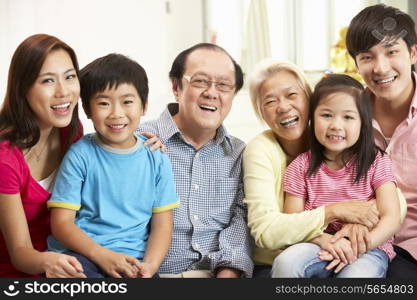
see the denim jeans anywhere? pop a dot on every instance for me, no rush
(302, 261)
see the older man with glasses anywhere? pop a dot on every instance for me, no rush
(210, 237)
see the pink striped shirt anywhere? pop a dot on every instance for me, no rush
(327, 186)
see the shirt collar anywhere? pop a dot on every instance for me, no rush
(168, 128)
(166, 124)
(413, 106)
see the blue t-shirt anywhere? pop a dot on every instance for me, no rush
(115, 192)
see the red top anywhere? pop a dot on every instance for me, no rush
(15, 178)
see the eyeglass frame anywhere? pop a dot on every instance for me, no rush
(210, 83)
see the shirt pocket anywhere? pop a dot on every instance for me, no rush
(404, 160)
(409, 152)
(225, 191)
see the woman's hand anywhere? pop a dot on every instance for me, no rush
(358, 235)
(353, 212)
(58, 265)
(326, 256)
(154, 141)
(340, 250)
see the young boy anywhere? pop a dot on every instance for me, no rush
(110, 188)
(382, 41)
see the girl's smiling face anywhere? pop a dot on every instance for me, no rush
(337, 123)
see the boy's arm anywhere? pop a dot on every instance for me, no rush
(74, 238)
(158, 243)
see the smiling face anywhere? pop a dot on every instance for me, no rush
(116, 115)
(204, 109)
(386, 69)
(337, 123)
(55, 92)
(284, 106)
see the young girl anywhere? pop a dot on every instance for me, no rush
(38, 122)
(343, 164)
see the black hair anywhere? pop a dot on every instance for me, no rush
(378, 23)
(109, 72)
(178, 66)
(364, 150)
(18, 123)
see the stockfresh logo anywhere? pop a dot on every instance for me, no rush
(389, 24)
(11, 290)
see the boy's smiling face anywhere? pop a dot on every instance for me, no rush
(116, 114)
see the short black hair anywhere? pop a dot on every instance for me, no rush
(109, 72)
(377, 23)
(178, 66)
(364, 150)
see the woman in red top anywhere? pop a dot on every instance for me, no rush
(38, 123)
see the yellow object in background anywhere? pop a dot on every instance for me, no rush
(340, 60)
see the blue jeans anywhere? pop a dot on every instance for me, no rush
(302, 261)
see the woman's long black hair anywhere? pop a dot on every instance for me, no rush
(18, 123)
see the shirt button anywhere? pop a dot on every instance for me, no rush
(196, 186)
(197, 155)
(196, 245)
(195, 217)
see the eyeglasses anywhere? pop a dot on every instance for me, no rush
(202, 82)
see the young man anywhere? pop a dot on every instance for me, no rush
(110, 188)
(382, 40)
(210, 237)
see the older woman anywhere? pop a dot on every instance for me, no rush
(280, 97)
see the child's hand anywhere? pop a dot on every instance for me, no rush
(58, 265)
(115, 264)
(339, 254)
(154, 141)
(145, 270)
(358, 235)
(341, 249)
(326, 256)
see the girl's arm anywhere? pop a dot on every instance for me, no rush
(74, 238)
(293, 204)
(158, 243)
(389, 210)
(24, 257)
